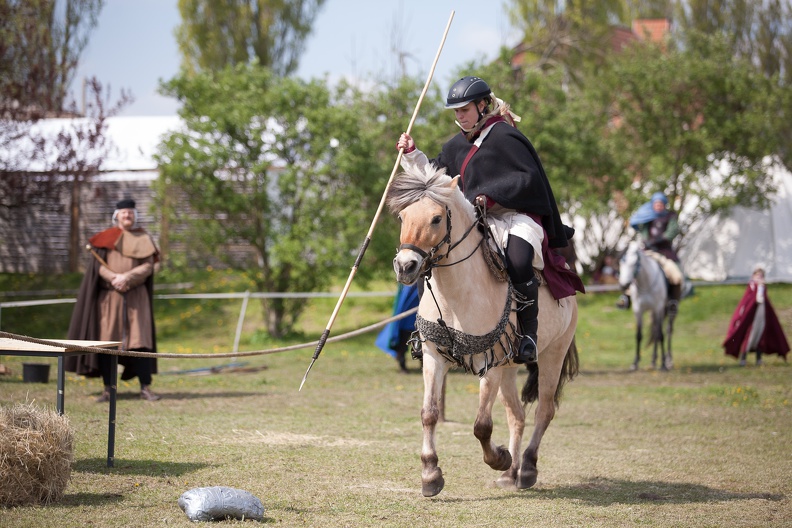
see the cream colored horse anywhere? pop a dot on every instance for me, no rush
(439, 239)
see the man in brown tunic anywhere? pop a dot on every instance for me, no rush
(115, 302)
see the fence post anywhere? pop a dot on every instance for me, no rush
(241, 320)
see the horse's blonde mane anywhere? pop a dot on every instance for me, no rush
(410, 186)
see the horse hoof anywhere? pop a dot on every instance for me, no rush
(430, 489)
(528, 472)
(503, 460)
(633, 367)
(433, 484)
(506, 481)
(527, 479)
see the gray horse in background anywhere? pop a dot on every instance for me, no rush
(648, 289)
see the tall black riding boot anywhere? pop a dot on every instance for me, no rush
(528, 321)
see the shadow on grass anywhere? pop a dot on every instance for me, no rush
(606, 492)
(189, 395)
(90, 499)
(609, 492)
(151, 468)
(685, 369)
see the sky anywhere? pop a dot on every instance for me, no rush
(133, 47)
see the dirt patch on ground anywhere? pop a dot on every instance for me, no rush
(242, 436)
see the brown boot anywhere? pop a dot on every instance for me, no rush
(146, 394)
(105, 396)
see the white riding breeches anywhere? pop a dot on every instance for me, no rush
(513, 223)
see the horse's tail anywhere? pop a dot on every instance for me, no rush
(569, 370)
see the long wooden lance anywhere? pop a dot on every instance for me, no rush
(366, 242)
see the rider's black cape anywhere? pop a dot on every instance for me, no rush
(507, 169)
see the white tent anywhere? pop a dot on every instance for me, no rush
(727, 247)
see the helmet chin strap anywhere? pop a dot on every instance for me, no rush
(466, 131)
(480, 117)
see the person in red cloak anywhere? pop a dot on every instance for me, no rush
(115, 302)
(754, 326)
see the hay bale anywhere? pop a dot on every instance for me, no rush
(36, 453)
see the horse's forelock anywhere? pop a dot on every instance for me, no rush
(410, 186)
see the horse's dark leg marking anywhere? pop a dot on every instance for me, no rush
(660, 342)
(515, 414)
(528, 472)
(498, 458)
(432, 481)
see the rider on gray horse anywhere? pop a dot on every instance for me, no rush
(501, 171)
(658, 227)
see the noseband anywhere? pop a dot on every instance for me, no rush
(432, 258)
(454, 344)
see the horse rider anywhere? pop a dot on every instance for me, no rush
(500, 171)
(658, 227)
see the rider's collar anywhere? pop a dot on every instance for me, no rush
(475, 132)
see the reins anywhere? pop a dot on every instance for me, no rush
(432, 260)
(638, 264)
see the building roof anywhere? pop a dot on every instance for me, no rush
(134, 140)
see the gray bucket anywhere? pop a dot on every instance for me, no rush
(35, 372)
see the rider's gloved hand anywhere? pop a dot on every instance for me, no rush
(405, 142)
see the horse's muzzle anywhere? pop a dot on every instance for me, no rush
(407, 266)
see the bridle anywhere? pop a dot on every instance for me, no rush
(637, 267)
(431, 261)
(432, 258)
(640, 255)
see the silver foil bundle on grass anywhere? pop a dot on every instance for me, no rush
(36, 453)
(220, 502)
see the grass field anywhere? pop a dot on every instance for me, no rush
(707, 444)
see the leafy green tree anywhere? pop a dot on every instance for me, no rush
(40, 45)
(277, 165)
(569, 36)
(568, 125)
(383, 112)
(37, 167)
(655, 118)
(757, 31)
(219, 33)
(696, 123)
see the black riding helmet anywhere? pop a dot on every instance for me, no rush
(467, 89)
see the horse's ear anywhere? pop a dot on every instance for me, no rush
(454, 181)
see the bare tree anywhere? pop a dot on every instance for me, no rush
(37, 166)
(219, 33)
(40, 46)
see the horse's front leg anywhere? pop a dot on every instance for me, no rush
(638, 336)
(660, 341)
(441, 417)
(669, 356)
(515, 415)
(434, 371)
(496, 457)
(656, 336)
